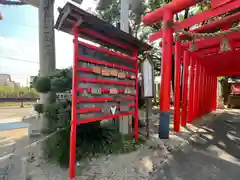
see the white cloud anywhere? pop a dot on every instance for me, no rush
(12, 51)
(29, 50)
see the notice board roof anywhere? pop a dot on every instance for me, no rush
(71, 15)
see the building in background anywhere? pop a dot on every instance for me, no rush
(29, 84)
(5, 80)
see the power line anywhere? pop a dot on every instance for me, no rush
(21, 60)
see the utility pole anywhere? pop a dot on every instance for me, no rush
(46, 48)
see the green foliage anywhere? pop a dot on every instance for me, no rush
(110, 12)
(42, 84)
(38, 108)
(94, 139)
(8, 92)
(61, 80)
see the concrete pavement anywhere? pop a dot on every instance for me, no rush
(14, 114)
(213, 155)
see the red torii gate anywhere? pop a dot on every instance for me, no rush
(201, 67)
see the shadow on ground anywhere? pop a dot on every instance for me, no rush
(213, 153)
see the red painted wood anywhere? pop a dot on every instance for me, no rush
(72, 159)
(103, 99)
(217, 3)
(106, 39)
(196, 90)
(185, 88)
(211, 27)
(200, 17)
(191, 90)
(215, 25)
(177, 92)
(100, 49)
(210, 42)
(104, 118)
(174, 7)
(88, 110)
(136, 105)
(101, 62)
(103, 81)
(166, 72)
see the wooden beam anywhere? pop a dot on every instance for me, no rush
(210, 42)
(198, 18)
(175, 7)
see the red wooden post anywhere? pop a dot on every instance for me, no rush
(205, 95)
(191, 89)
(196, 90)
(166, 76)
(136, 105)
(185, 87)
(72, 161)
(212, 93)
(177, 86)
(203, 80)
(215, 91)
(200, 91)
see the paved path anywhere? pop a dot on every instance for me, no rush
(14, 114)
(215, 155)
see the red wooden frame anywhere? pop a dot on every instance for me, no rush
(200, 84)
(77, 78)
(196, 19)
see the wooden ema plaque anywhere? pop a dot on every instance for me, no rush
(107, 86)
(97, 70)
(121, 75)
(105, 72)
(114, 72)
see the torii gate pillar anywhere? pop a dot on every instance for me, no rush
(166, 74)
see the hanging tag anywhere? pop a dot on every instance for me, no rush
(114, 72)
(132, 77)
(121, 75)
(85, 93)
(113, 110)
(113, 91)
(96, 91)
(96, 70)
(105, 72)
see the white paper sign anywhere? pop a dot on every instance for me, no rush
(113, 110)
(148, 81)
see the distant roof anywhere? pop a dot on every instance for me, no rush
(70, 15)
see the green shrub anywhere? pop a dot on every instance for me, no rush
(38, 108)
(93, 139)
(91, 142)
(42, 84)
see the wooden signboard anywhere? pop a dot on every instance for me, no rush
(100, 97)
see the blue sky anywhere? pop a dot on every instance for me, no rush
(19, 40)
